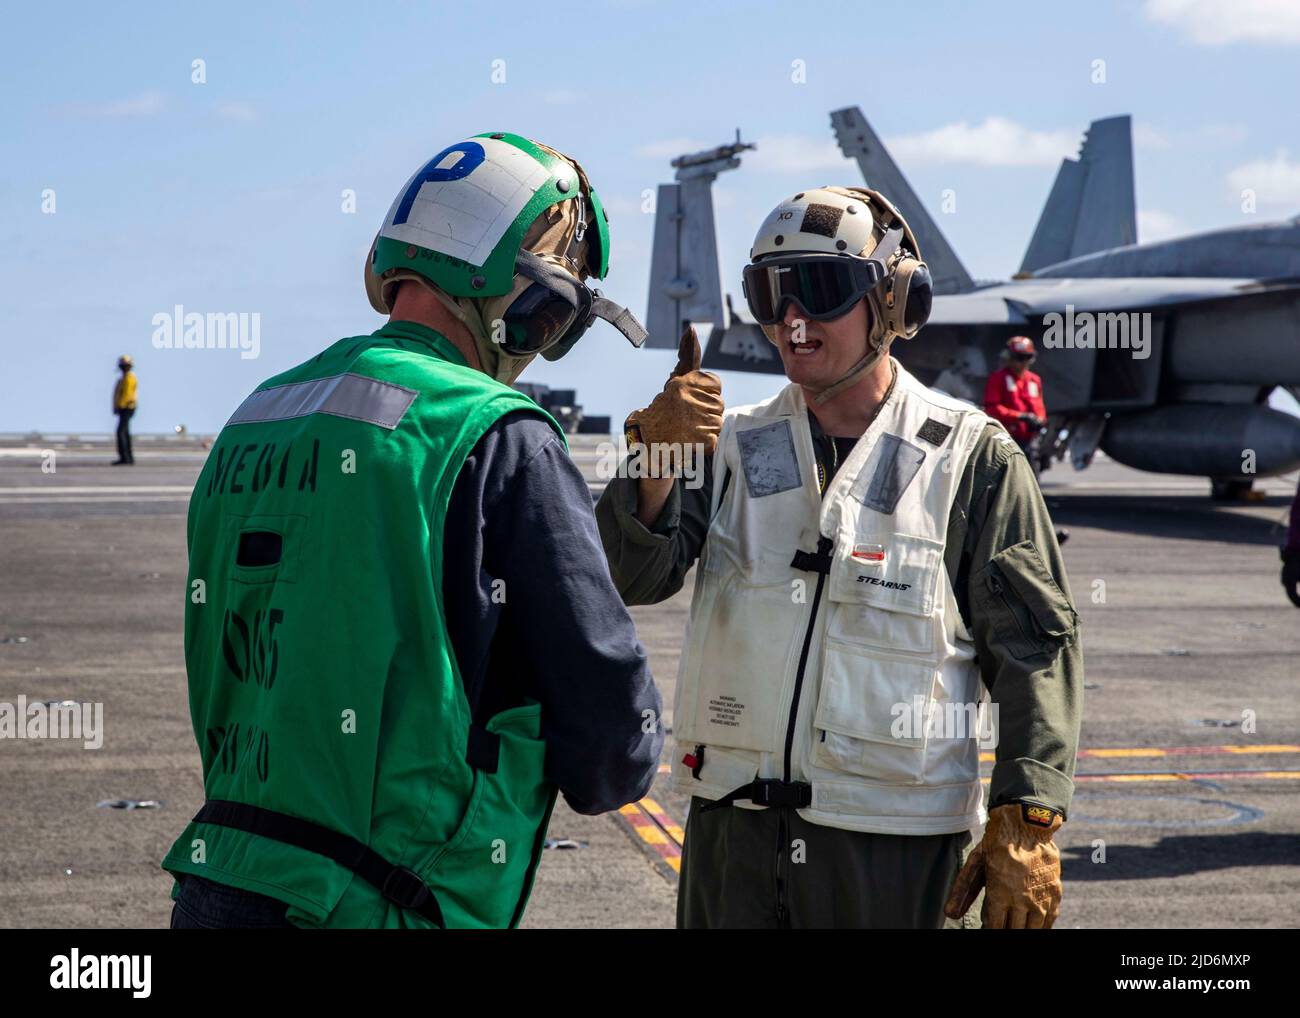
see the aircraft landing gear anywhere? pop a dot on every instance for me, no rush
(1230, 489)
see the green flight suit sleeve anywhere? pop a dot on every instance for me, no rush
(649, 565)
(1012, 591)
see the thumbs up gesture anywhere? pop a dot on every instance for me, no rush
(689, 410)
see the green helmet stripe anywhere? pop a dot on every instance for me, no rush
(601, 222)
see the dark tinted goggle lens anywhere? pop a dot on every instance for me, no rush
(823, 289)
(535, 320)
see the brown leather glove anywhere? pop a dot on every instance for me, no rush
(688, 411)
(1019, 868)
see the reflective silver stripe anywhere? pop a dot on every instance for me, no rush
(353, 396)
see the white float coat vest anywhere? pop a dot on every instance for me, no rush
(887, 644)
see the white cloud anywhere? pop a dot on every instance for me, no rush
(146, 104)
(1276, 181)
(1154, 225)
(1214, 23)
(1147, 137)
(239, 112)
(995, 142)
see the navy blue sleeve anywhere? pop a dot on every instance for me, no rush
(532, 612)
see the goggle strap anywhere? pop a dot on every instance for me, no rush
(889, 243)
(559, 281)
(553, 278)
(619, 317)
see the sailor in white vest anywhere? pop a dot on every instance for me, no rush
(876, 569)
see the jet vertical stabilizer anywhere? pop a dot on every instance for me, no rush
(685, 284)
(1091, 206)
(858, 141)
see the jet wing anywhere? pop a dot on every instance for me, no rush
(1020, 300)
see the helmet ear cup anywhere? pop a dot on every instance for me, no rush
(912, 296)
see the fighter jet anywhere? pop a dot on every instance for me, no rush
(1163, 355)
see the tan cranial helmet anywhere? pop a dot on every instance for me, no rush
(853, 223)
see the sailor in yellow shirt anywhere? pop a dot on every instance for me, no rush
(124, 407)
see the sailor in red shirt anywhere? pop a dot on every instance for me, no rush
(1014, 394)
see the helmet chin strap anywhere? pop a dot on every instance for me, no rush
(854, 375)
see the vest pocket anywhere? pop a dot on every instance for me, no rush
(863, 695)
(868, 625)
(879, 673)
(883, 592)
(484, 873)
(1031, 614)
(267, 547)
(871, 714)
(894, 572)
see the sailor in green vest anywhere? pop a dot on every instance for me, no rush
(401, 634)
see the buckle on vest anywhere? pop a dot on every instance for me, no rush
(403, 887)
(818, 561)
(768, 792)
(771, 792)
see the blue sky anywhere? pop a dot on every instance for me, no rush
(226, 196)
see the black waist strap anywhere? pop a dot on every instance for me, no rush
(399, 885)
(768, 792)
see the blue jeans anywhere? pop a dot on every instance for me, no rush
(206, 905)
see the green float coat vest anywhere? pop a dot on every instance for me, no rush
(323, 685)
